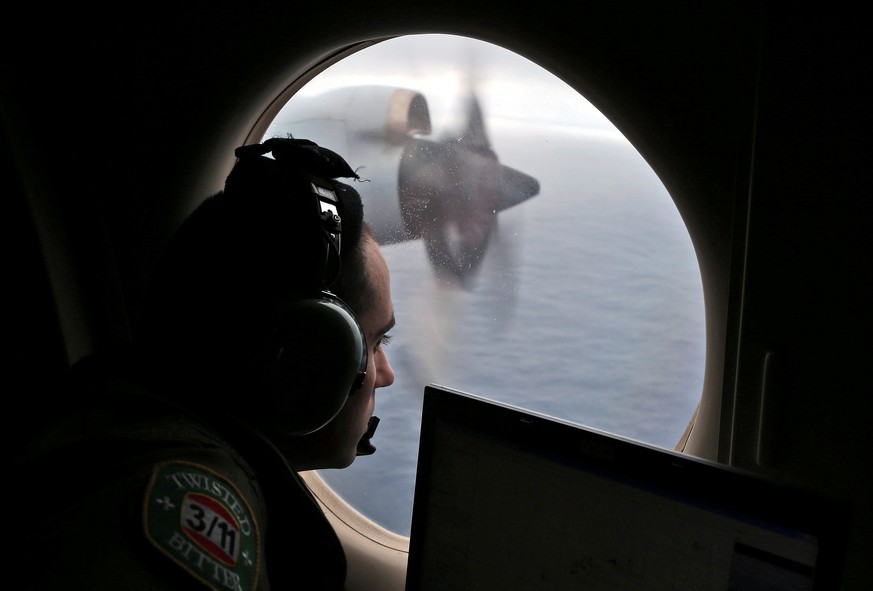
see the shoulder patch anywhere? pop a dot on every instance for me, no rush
(201, 521)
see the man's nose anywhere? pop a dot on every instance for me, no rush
(384, 372)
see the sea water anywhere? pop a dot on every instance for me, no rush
(588, 307)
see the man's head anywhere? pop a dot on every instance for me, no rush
(237, 323)
(335, 445)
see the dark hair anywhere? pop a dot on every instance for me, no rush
(244, 252)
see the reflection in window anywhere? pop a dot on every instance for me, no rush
(536, 258)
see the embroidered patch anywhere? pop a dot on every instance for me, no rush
(200, 520)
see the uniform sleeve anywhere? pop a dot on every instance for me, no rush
(135, 516)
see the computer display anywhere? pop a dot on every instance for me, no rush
(508, 499)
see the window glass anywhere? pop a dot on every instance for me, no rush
(536, 258)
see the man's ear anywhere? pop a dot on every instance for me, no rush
(314, 358)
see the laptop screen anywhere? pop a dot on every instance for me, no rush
(508, 499)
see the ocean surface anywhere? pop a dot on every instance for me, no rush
(588, 307)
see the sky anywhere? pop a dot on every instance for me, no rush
(509, 85)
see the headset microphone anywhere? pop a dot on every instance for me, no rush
(365, 448)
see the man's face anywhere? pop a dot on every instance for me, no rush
(335, 444)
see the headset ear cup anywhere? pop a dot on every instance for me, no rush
(316, 357)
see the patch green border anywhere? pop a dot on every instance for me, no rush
(165, 508)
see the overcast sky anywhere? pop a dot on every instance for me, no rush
(439, 66)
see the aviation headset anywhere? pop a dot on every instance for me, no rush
(315, 354)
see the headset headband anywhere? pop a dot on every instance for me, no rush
(316, 164)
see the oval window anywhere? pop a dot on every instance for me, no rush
(536, 258)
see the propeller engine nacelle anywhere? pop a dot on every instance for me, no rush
(445, 192)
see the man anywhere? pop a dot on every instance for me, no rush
(258, 355)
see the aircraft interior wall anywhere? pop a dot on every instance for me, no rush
(756, 121)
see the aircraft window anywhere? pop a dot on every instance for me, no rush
(580, 297)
